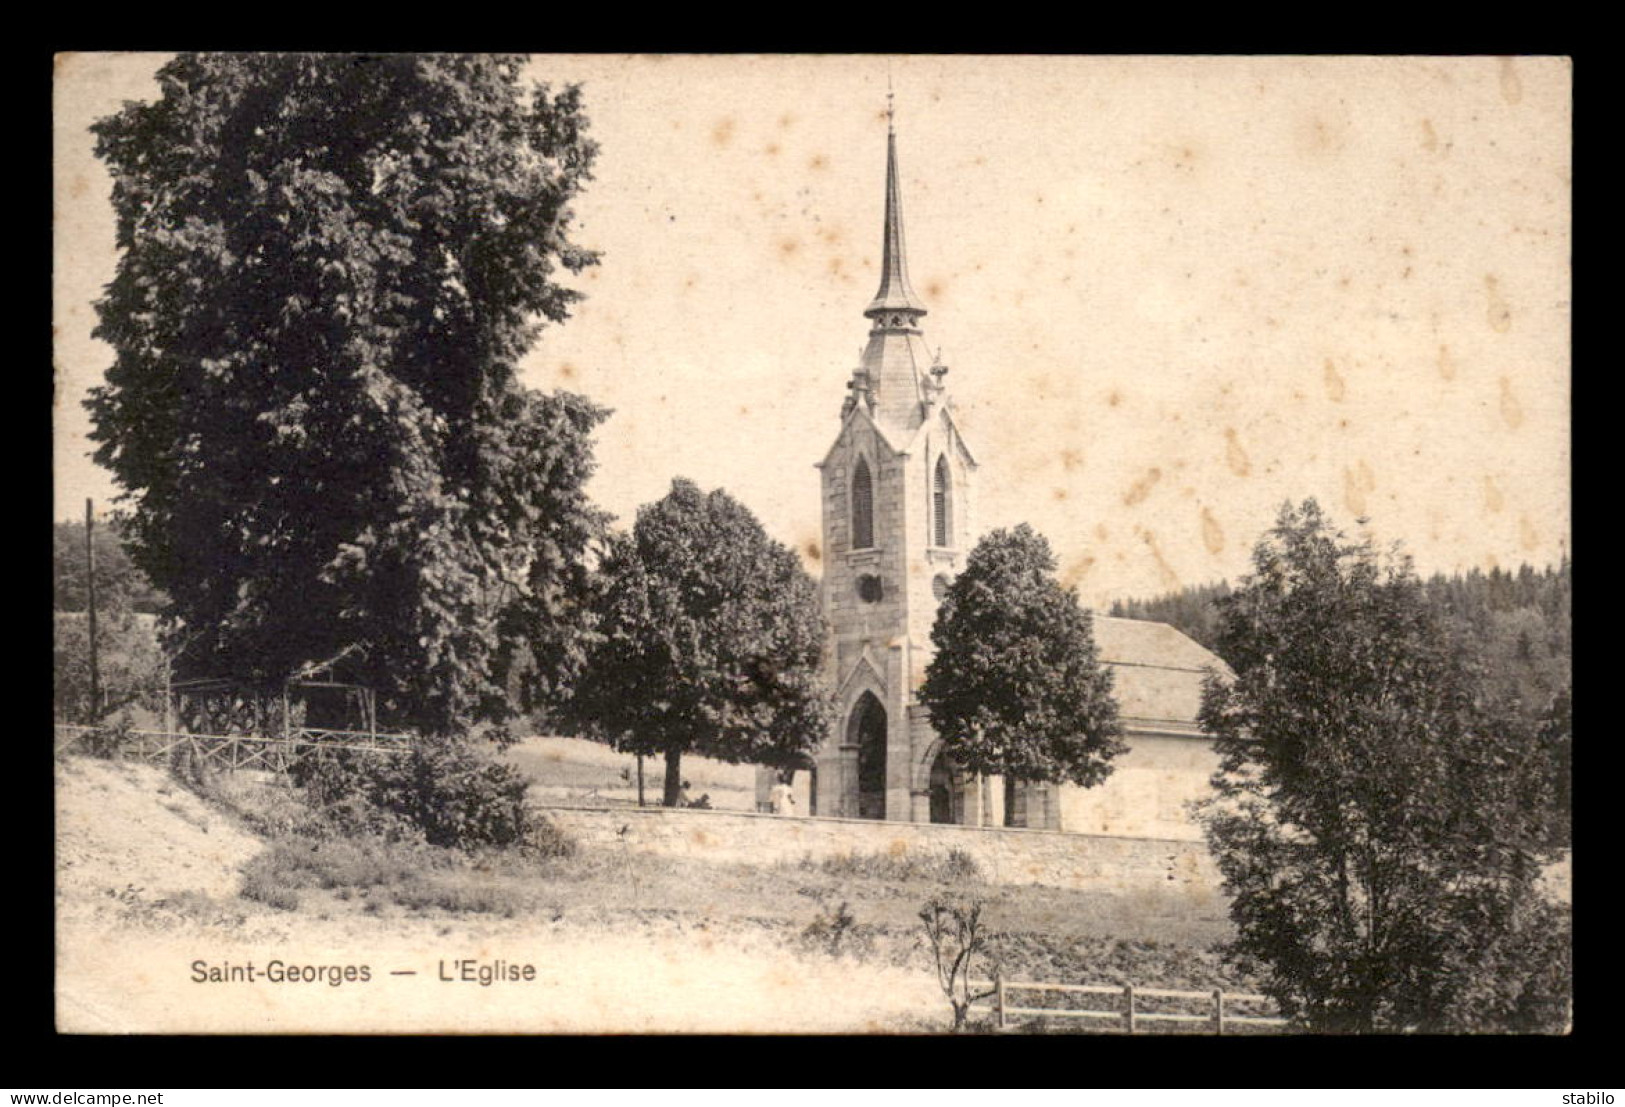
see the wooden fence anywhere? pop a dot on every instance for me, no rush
(237, 751)
(1126, 1017)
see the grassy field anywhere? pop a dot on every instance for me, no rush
(838, 943)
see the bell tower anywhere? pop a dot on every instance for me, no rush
(896, 489)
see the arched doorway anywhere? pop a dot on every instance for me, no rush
(947, 799)
(867, 731)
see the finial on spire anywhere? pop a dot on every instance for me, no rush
(894, 295)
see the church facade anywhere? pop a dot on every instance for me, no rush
(898, 498)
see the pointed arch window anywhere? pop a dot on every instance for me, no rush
(941, 523)
(863, 507)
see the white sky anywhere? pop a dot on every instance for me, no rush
(1172, 292)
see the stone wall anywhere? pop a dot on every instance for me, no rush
(1118, 865)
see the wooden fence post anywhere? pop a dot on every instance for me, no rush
(998, 1000)
(1218, 1011)
(1128, 1008)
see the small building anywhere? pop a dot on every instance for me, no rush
(898, 490)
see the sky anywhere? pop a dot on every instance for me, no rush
(1173, 293)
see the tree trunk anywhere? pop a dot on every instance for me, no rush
(674, 777)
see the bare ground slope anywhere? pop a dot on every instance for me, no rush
(147, 886)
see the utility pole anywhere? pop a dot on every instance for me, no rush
(90, 589)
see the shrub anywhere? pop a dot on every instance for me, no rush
(836, 932)
(954, 867)
(957, 937)
(448, 793)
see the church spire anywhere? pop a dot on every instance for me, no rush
(895, 295)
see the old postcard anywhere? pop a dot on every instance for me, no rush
(829, 472)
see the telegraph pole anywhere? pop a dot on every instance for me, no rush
(90, 587)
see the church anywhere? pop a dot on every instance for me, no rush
(898, 496)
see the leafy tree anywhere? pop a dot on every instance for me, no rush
(1016, 687)
(329, 268)
(120, 586)
(711, 638)
(1379, 824)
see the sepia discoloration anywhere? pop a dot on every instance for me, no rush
(1142, 487)
(1497, 310)
(1212, 533)
(1511, 409)
(1511, 86)
(1446, 363)
(1045, 238)
(1358, 481)
(1234, 455)
(1334, 383)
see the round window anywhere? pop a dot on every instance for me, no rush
(869, 590)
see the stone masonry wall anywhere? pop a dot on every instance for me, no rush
(1013, 856)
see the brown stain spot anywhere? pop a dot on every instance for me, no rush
(1234, 454)
(1142, 487)
(898, 847)
(813, 551)
(935, 289)
(1511, 409)
(834, 236)
(1059, 494)
(1212, 533)
(1316, 136)
(1114, 398)
(1528, 536)
(1447, 364)
(1169, 577)
(567, 372)
(1334, 383)
(1356, 483)
(818, 162)
(1499, 314)
(722, 132)
(1072, 460)
(788, 247)
(1493, 500)
(1075, 571)
(1511, 86)
(699, 837)
(837, 268)
(786, 120)
(772, 149)
(1101, 532)
(1430, 137)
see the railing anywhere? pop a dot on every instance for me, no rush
(1127, 1017)
(238, 751)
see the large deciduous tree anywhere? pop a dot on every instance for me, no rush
(1016, 687)
(329, 267)
(1379, 823)
(710, 641)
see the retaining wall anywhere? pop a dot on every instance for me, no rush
(1008, 856)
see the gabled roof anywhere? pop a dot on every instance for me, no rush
(857, 412)
(959, 437)
(1157, 673)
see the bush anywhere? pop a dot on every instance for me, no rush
(446, 793)
(836, 932)
(108, 742)
(954, 867)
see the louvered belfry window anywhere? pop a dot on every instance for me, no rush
(939, 504)
(863, 507)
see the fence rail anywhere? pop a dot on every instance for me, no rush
(1126, 1015)
(238, 751)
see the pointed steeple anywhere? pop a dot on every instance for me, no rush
(895, 295)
